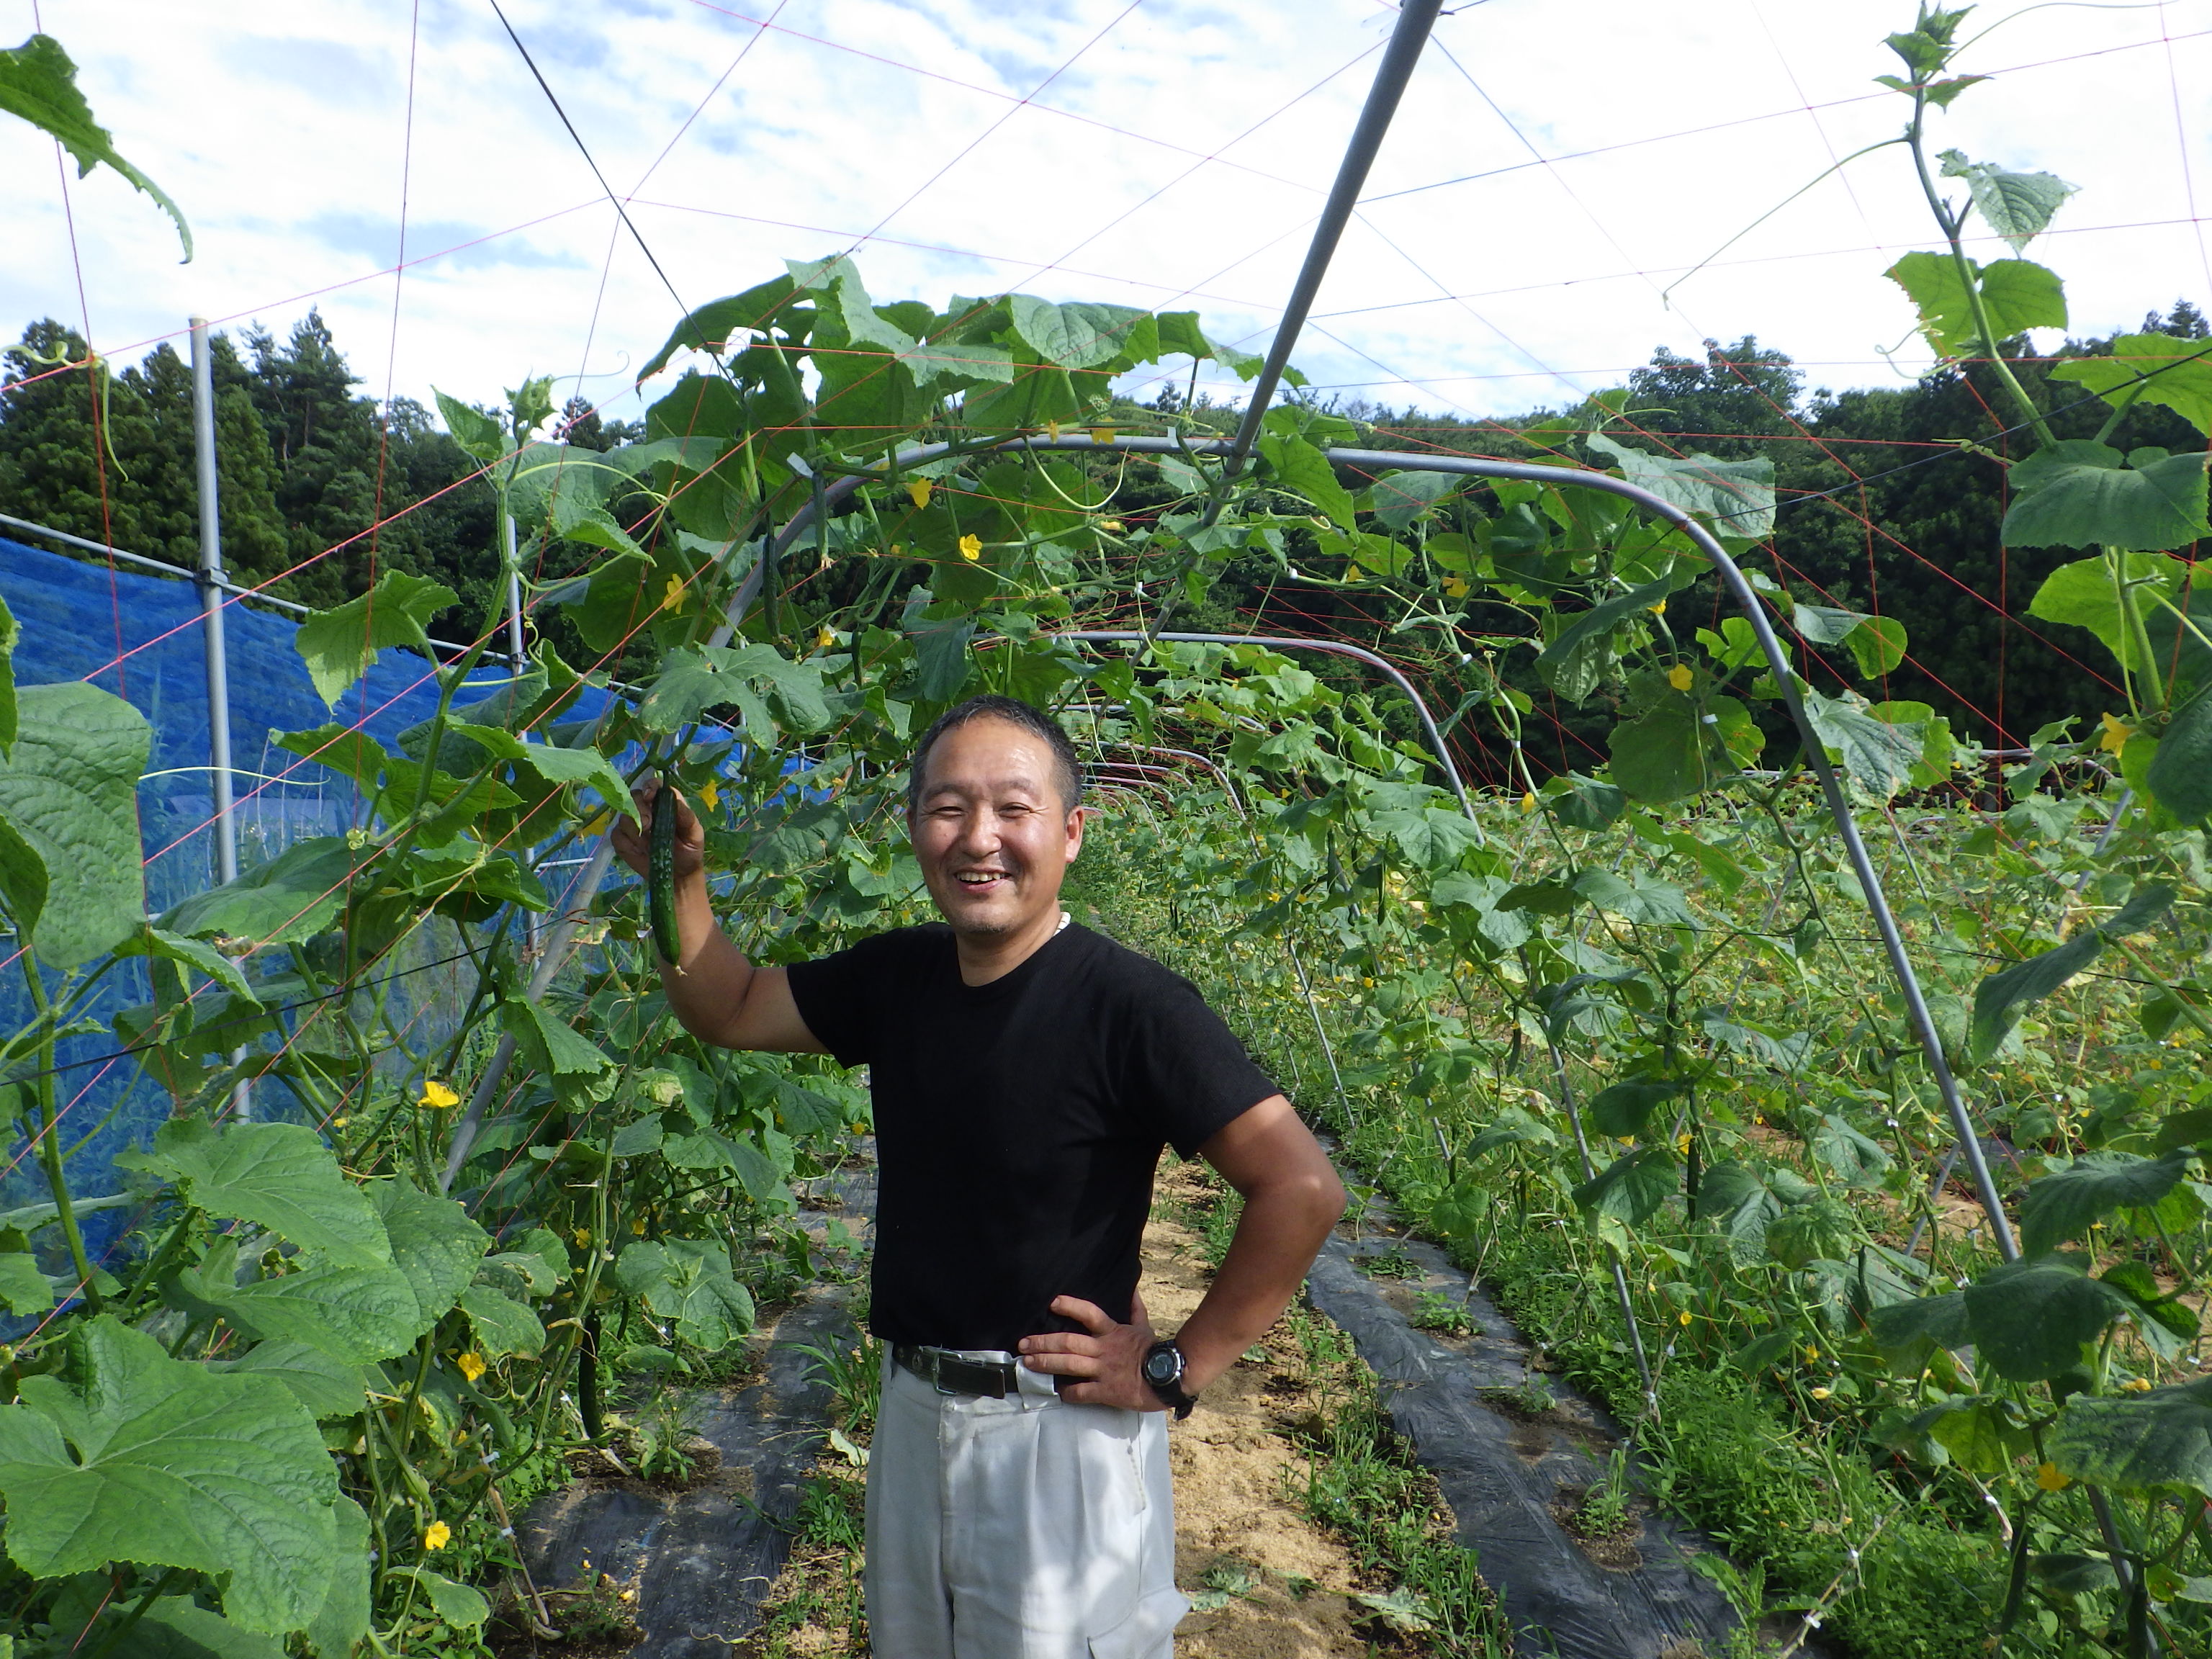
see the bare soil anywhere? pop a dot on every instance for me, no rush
(1237, 1477)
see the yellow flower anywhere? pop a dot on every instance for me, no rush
(1529, 801)
(435, 1093)
(2051, 1478)
(1456, 586)
(2137, 1385)
(1102, 435)
(1113, 525)
(971, 548)
(711, 796)
(1658, 610)
(917, 491)
(637, 1226)
(598, 826)
(1682, 1145)
(472, 1365)
(1683, 1317)
(1812, 1353)
(583, 1237)
(340, 1122)
(825, 641)
(673, 598)
(1680, 676)
(2116, 735)
(1821, 1394)
(438, 1536)
(1051, 430)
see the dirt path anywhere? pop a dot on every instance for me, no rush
(1237, 1520)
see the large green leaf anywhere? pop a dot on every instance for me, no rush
(1400, 498)
(433, 1243)
(2017, 294)
(549, 1042)
(1082, 335)
(1662, 755)
(2084, 593)
(1736, 496)
(38, 82)
(168, 1463)
(2030, 1319)
(23, 1288)
(503, 1326)
(1605, 616)
(756, 679)
(1911, 1331)
(276, 1176)
(2078, 493)
(343, 1618)
(1875, 754)
(1651, 903)
(289, 899)
(69, 791)
(2061, 1205)
(338, 645)
(1632, 1188)
(553, 764)
(2018, 206)
(1300, 468)
(2000, 999)
(2179, 777)
(327, 1387)
(1621, 1109)
(354, 1315)
(689, 1281)
(712, 326)
(2155, 368)
(2162, 1438)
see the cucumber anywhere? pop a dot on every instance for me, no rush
(660, 879)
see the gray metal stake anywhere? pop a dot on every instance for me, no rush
(210, 581)
(515, 659)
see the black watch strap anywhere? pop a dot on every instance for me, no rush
(1162, 1371)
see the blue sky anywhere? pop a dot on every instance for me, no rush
(1158, 153)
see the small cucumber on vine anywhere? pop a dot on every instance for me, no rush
(661, 877)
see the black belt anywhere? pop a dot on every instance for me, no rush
(992, 1379)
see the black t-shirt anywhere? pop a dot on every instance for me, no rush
(1018, 1123)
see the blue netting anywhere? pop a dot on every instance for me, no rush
(141, 636)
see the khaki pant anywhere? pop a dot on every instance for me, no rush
(1018, 1528)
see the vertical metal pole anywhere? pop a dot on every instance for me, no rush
(515, 659)
(210, 582)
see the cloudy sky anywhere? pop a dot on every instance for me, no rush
(1554, 168)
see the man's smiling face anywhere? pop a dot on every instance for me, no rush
(990, 831)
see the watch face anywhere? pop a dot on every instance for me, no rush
(1160, 1366)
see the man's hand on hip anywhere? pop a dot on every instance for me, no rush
(1104, 1356)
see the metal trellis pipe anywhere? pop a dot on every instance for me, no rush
(1732, 578)
(208, 578)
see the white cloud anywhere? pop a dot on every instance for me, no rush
(1178, 159)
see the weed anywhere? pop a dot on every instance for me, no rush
(665, 1429)
(1393, 1263)
(855, 1373)
(1433, 1310)
(1531, 1397)
(1603, 1512)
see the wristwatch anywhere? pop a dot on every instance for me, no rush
(1162, 1369)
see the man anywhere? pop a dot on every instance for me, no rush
(1026, 1072)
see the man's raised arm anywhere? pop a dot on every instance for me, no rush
(719, 996)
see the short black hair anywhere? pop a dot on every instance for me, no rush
(1066, 767)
